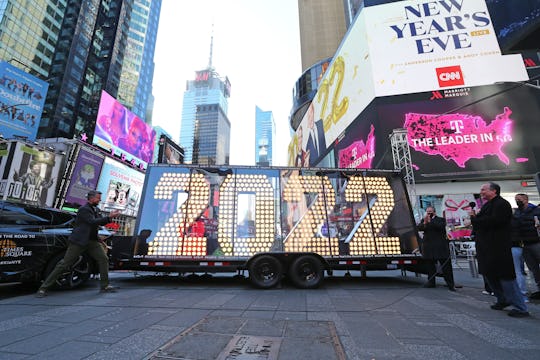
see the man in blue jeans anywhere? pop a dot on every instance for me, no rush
(492, 227)
(84, 238)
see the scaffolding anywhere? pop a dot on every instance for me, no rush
(401, 155)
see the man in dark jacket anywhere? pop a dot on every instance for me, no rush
(84, 238)
(525, 234)
(435, 247)
(492, 227)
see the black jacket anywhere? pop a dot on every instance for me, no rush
(87, 225)
(523, 229)
(435, 242)
(492, 227)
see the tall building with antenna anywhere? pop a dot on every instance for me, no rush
(205, 131)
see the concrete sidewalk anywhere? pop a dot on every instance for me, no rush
(384, 316)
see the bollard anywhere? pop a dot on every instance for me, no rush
(472, 263)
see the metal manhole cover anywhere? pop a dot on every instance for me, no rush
(245, 347)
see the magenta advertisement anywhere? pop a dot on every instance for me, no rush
(123, 133)
(84, 177)
(469, 133)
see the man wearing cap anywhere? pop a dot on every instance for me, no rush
(84, 238)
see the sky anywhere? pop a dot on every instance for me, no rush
(256, 45)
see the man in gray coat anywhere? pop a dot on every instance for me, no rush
(84, 238)
(492, 226)
(435, 248)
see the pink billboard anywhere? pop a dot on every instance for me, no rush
(123, 133)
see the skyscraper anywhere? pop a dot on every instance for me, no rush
(205, 129)
(135, 89)
(265, 133)
(76, 46)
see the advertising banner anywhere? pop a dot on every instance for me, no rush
(169, 152)
(29, 175)
(123, 133)
(121, 187)
(22, 97)
(399, 48)
(84, 177)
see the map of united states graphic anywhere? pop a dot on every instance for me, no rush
(459, 137)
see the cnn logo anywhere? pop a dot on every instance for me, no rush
(450, 76)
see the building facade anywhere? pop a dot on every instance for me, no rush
(205, 128)
(265, 134)
(135, 87)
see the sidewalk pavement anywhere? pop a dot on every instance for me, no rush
(383, 316)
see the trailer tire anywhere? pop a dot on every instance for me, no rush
(306, 272)
(265, 271)
(77, 275)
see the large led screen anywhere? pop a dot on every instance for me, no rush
(22, 97)
(123, 133)
(485, 132)
(121, 187)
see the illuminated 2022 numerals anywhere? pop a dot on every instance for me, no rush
(173, 238)
(264, 215)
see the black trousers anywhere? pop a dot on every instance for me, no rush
(446, 267)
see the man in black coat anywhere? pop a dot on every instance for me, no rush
(84, 238)
(435, 247)
(492, 227)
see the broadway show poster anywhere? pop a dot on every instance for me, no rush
(84, 177)
(30, 175)
(487, 132)
(22, 97)
(121, 187)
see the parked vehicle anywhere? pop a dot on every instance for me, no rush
(273, 222)
(33, 240)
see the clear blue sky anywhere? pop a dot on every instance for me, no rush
(256, 45)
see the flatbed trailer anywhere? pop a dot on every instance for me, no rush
(273, 222)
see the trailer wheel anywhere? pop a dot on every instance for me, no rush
(306, 272)
(73, 277)
(265, 271)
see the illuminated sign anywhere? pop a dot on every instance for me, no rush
(407, 47)
(123, 133)
(259, 210)
(22, 97)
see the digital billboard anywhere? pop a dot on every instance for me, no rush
(22, 97)
(84, 176)
(123, 133)
(169, 152)
(484, 132)
(121, 187)
(401, 48)
(29, 174)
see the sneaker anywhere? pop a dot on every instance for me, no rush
(499, 306)
(41, 293)
(486, 292)
(108, 289)
(518, 313)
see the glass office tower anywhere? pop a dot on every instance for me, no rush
(135, 87)
(205, 129)
(265, 133)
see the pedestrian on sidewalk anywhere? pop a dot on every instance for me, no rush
(435, 247)
(84, 238)
(492, 227)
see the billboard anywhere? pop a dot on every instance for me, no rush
(121, 187)
(22, 97)
(123, 133)
(169, 152)
(401, 48)
(28, 174)
(84, 176)
(484, 132)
